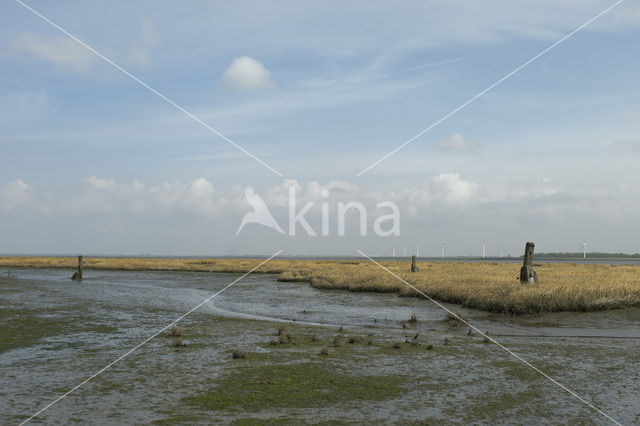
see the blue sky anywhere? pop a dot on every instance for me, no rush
(91, 161)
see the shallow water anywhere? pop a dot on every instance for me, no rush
(85, 326)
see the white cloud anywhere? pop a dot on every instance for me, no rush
(444, 207)
(445, 195)
(99, 184)
(195, 198)
(61, 51)
(13, 194)
(456, 143)
(247, 73)
(200, 198)
(451, 188)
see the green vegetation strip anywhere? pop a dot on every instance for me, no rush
(307, 384)
(26, 327)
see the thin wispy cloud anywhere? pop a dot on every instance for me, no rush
(58, 50)
(140, 51)
(434, 64)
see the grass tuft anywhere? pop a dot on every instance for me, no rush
(238, 354)
(455, 319)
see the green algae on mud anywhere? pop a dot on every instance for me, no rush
(27, 327)
(299, 385)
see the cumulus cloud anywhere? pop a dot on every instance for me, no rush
(456, 143)
(452, 189)
(61, 51)
(247, 73)
(195, 198)
(446, 205)
(199, 197)
(13, 194)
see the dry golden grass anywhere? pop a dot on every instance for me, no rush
(487, 286)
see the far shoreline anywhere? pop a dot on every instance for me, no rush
(487, 285)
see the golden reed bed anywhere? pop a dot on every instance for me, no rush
(488, 286)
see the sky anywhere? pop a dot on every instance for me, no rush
(93, 162)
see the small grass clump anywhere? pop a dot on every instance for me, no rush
(455, 319)
(284, 336)
(238, 354)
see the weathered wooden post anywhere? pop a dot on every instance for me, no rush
(414, 267)
(527, 274)
(78, 275)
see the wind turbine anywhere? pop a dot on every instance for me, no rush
(442, 250)
(483, 249)
(584, 248)
(393, 252)
(417, 251)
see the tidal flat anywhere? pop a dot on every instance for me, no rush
(350, 357)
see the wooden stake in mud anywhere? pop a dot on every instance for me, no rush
(78, 275)
(414, 267)
(527, 274)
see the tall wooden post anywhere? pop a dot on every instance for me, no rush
(78, 275)
(414, 267)
(527, 274)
